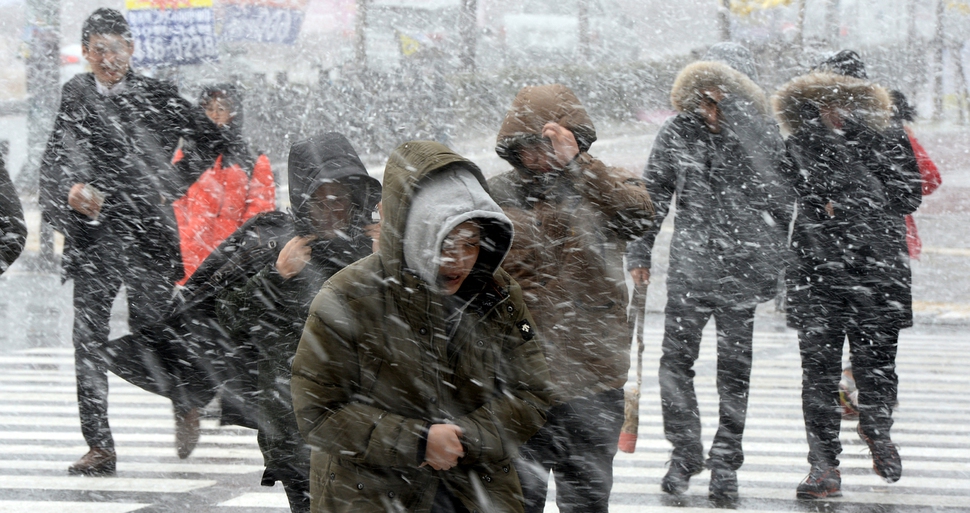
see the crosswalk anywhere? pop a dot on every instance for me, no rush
(932, 429)
(40, 437)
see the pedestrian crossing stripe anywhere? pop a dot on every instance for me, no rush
(849, 480)
(115, 484)
(166, 438)
(201, 452)
(257, 500)
(848, 460)
(72, 507)
(125, 467)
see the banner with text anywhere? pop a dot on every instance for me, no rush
(172, 32)
(263, 21)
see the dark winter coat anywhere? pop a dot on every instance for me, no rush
(733, 203)
(13, 229)
(851, 266)
(267, 313)
(571, 230)
(376, 367)
(122, 145)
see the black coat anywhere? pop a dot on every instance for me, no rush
(13, 229)
(122, 145)
(854, 188)
(734, 203)
(263, 314)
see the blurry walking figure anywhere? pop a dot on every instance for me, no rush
(903, 112)
(13, 229)
(856, 179)
(107, 183)
(419, 373)
(232, 189)
(573, 216)
(721, 156)
(332, 198)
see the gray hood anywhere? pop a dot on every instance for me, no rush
(442, 202)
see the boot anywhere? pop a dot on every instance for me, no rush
(99, 461)
(186, 432)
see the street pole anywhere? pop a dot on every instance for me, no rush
(833, 23)
(469, 33)
(938, 44)
(43, 84)
(724, 19)
(800, 35)
(913, 61)
(360, 44)
(584, 47)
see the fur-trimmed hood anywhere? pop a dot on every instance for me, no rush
(685, 95)
(799, 100)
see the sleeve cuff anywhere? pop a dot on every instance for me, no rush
(423, 443)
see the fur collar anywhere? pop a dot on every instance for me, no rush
(864, 100)
(685, 95)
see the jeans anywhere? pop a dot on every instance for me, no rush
(685, 318)
(577, 443)
(873, 355)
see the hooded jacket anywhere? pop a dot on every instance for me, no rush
(571, 230)
(231, 191)
(733, 202)
(13, 229)
(854, 187)
(376, 365)
(264, 315)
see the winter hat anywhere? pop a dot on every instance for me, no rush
(847, 63)
(443, 201)
(736, 56)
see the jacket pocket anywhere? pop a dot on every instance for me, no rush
(353, 488)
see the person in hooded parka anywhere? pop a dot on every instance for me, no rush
(332, 199)
(231, 190)
(573, 216)
(721, 156)
(419, 372)
(107, 183)
(856, 180)
(13, 229)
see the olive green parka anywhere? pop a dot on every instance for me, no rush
(375, 368)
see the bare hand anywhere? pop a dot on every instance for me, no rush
(82, 200)
(374, 232)
(564, 144)
(641, 276)
(444, 446)
(294, 257)
(830, 209)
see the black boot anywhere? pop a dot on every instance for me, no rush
(678, 475)
(724, 485)
(822, 482)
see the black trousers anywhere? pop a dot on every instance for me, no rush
(873, 354)
(685, 318)
(577, 444)
(95, 287)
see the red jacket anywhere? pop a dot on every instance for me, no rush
(218, 203)
(931, 181)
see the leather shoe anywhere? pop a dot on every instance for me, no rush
(98, 461)
(186, 432)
